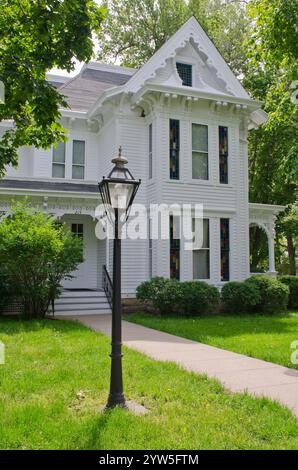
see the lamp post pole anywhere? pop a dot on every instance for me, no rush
(116, 396)
(117, 191)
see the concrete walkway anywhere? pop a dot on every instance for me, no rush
(236, 372)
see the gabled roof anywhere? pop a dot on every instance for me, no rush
(94, 79)
(190, 31)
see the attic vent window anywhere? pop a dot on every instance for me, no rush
(185, 73)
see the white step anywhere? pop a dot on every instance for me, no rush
(82, 312)
(82, 302)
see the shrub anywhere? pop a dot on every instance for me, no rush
(273, 294)
(168, 298)
(5, 291)
(147, 291)
(37, 253)
(292, 283)
(168, 295)
(239, 297)
(196, 297)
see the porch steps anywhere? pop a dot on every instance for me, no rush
(82, 302)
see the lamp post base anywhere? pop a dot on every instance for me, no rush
(114, 400)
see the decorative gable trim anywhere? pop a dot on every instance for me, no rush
(190, 31)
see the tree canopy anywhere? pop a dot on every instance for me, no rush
(36, 36)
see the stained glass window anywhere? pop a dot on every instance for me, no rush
(174, 148)
(174, 250)
(185, 73)
(225, 249)
(223, 155)
(150, 151)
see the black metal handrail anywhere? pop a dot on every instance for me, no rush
(107, 285)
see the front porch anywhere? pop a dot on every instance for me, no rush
(264, 217)
(75, 205)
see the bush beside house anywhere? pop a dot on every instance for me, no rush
(240, 297)
(292, 283)
(167, 295)
(274, 295)
(36, 254)
(256, 294)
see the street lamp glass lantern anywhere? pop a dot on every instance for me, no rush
(118, 190)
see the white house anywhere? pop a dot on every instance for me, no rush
(183, 121)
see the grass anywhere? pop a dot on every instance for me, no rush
(262, 336)
(55, 381)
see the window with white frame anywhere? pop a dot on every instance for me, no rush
(201, 256)
(200, 152)
(78, 230)
(78, 159)
(58, 164)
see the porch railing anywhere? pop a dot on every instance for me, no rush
(107, 285)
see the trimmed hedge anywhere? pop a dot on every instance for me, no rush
(240, 297)
(148, 291)
(274, 295)
(169, 296)
(198, 297)
(292, 283)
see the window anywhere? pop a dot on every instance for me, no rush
(78, 230)
(150, 151)
(223, 155)
(185, 73)
(174, 148)
(225, 249)
(174, 249)
(78, 159)
(58, 167)
(200, 152)
(201, 257)
(150, 250)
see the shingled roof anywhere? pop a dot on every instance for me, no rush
(83, 90)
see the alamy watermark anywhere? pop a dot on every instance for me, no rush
(154, 223)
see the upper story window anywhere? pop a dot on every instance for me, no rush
(174, 148)
(200, 152)
(78, 159)
(223, 155)
(185, 73)
(58, 165)
(150, 151)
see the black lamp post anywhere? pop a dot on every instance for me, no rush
(118, 191)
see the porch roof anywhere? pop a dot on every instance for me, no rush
(24, 185)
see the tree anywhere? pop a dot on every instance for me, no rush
(270, 74)
(287, 230)
(36, 254)
(134, 30)
(35, 36)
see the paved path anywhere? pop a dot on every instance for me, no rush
(236, 372)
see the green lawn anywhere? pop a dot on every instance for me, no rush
(262, 336)
(56, 378)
